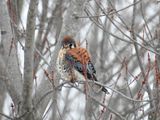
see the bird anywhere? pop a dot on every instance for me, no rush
(73, 60)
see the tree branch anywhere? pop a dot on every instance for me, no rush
(28, 60)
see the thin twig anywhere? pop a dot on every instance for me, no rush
(110, 13)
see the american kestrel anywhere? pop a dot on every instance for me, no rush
(73, 60)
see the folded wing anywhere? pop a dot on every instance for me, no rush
(79, 59)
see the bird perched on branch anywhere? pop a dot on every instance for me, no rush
(73, 60)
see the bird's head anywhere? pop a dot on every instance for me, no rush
(68, 42)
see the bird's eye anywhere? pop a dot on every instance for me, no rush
(71, 46)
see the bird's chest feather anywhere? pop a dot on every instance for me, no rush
(62, 65)
(66, 68)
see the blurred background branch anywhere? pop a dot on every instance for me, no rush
(123, 38)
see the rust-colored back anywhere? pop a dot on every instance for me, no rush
(80, 54)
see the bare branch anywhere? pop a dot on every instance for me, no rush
(28, 60)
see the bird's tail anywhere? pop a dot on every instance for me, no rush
(103, 88)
